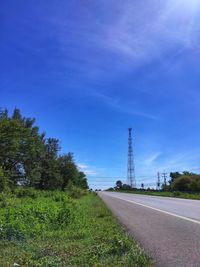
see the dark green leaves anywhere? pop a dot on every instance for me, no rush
(28, 158)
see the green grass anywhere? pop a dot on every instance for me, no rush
(176, 194)
(51, 229)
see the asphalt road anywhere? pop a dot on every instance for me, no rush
(167, 228)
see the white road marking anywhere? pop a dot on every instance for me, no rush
(163, 211)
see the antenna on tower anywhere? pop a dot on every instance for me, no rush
(131, 168)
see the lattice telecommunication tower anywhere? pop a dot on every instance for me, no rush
(131, 168)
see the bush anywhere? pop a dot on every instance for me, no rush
(27, 192)
(20, 220)
(187, 183)
(74, 191)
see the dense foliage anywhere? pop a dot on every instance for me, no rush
(28, 158)
(27, 215)
(185, 181)
(49, 228)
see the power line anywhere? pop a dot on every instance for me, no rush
(100, 179)
(115, 178)
(138, 176)
(120, 178)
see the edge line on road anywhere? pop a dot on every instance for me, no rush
(163, 211)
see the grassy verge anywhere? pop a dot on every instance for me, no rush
(163, 194)
(51, 229)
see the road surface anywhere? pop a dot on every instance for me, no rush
(167, 228)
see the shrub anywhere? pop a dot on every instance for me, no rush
(20, 220)
(176, 194)
(74, 191)
(187, 183)
(27, 192)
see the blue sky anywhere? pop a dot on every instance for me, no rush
(88, 70)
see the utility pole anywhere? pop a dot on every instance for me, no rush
(142, 186)
(131, 168)
(164, 175)
(158, 181)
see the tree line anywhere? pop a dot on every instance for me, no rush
(185, 182)
(28, 158)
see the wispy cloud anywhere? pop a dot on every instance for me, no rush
(115, 103)
(159, 162)
(87, 169)
(152, 158)
(180, 161)
(142, 34)
(82, 166)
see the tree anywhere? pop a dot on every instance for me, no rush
(17, 115)
(21, 146)
(119, 184)
(27, 158)
(11, 136)
(69, 172)
(82, 180)
(186, 173)
(3, 180)
(126, 187)
(187, 183)
(51, 177)
(3, 114)
(173, 176)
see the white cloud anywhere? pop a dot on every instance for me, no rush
(82, 166)
(174, 162)
(151, 159)
(86, 169)
(123, 107)
(143, 33)
(90, 172)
